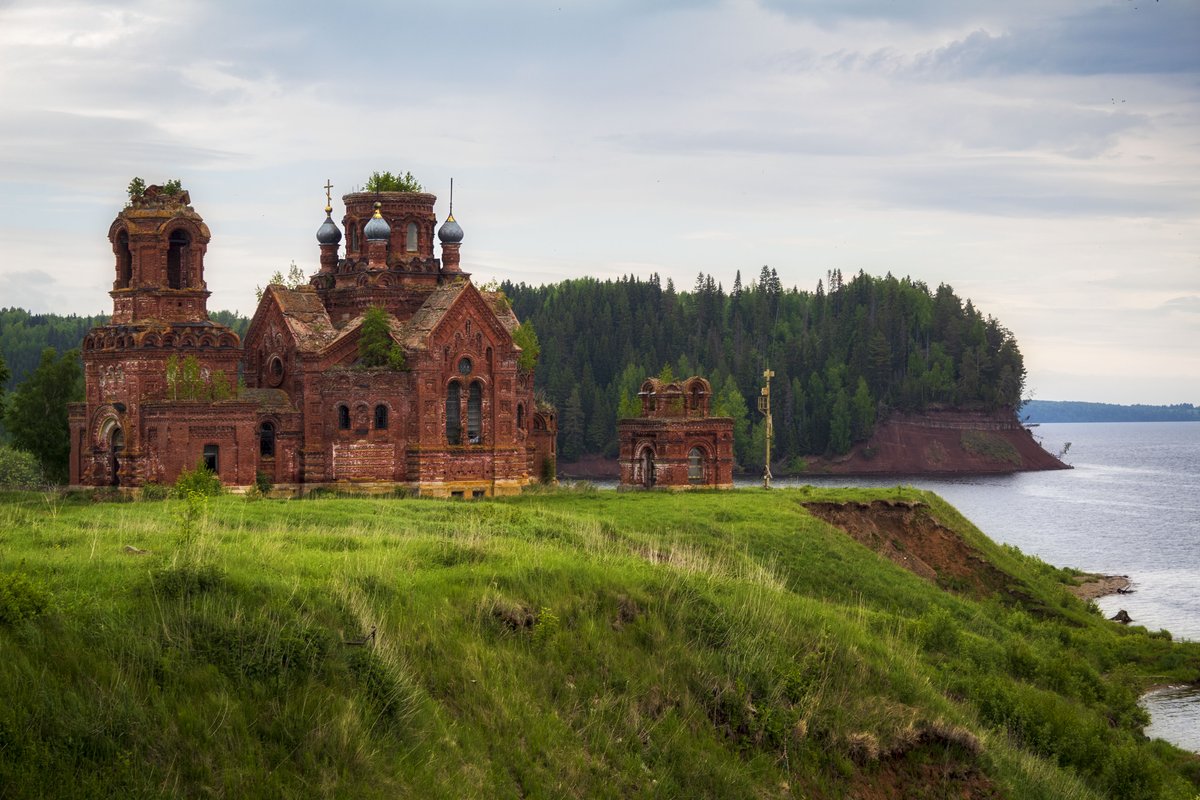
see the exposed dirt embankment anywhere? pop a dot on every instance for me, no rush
(943, 442)
(909, 534)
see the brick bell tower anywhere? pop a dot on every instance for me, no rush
(160, 310)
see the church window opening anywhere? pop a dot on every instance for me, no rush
(381, 417)
(464, 366)
(212, 458)
(266, 440)
(410, 238)
(176, 248)
(453, 418)
(275, 371)
(475, 413)
(343, 412)
(695, 465)
(124, 261)
(521, 416)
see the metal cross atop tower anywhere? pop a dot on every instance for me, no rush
(764, 405)
(328, 198)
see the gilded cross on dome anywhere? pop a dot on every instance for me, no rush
(328, 199)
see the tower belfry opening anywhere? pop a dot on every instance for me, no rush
(177, 247)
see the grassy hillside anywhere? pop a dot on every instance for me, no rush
(560, 645)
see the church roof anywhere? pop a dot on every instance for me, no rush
(267, 399)
(422, 323)
(305, 315)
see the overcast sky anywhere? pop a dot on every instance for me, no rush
(1043, 158)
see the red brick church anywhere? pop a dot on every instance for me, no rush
(294, 401)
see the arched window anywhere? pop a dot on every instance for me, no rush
(266, 439)
(381, 417)
(520, 416)
(453, 415)
(475, 413)
(124, 261)
(352, 230)
(695, 465)
(410, 238)
(176, 248)
(343, 417)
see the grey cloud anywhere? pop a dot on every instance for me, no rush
(1189, 304)
(999, 187)
(1155, 38)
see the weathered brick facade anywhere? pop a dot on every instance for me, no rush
(460, 419)
(675, 444)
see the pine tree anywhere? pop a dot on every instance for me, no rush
(570, 429)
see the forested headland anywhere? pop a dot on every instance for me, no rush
(842, 354)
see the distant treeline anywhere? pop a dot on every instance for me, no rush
(841, 354)
(23, 336)
(1073, 411)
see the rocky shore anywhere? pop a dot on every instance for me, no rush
(1089, 586)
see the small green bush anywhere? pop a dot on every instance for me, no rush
(21, 598)
(19, 469)
(263, 483)
(199, 481)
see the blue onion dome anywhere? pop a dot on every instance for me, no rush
(450, 232)
(329, 233)
(377, 229)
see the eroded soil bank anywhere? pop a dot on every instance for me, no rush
(907, 533)
(943, 443)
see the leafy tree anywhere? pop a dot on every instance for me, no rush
(862, 412)
(36, 417)
(137, 188)
(729, 402)
(186, 381)
(376, 347)
(18, 469)
(526, 338)
(173, 187)
(839, 424)
(294, 279)
(387, 182)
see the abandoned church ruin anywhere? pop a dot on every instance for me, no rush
(676, 443)
(451, 411)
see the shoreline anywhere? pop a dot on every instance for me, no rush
(1090, 586)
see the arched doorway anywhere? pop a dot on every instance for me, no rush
(646, 468)
(116, 444)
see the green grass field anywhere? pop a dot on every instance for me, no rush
(570, 644)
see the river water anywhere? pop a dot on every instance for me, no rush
(1130, 506)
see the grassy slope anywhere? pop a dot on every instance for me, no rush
(585, 645)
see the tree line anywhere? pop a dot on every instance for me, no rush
(842, 354)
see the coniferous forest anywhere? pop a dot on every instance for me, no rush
(842, 354)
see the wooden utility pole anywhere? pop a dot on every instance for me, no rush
(764, 405)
